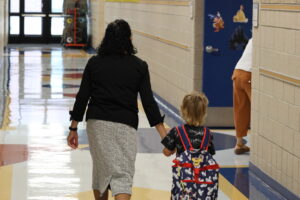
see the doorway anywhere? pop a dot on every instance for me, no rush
(227, 29)
(35, 21)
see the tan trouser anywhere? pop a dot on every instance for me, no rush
(241, 101)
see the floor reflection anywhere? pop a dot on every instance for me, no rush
(33, 84)
(41, 82)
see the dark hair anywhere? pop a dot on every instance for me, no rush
(117, 39)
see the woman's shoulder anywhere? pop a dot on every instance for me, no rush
(124, 58)
(138, 60)
(94, 58)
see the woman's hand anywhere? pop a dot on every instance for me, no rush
(167, 152)
(73, 139)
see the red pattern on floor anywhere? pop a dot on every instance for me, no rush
(13, 153)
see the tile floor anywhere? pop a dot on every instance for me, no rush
(37, 87)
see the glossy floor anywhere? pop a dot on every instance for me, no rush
(37, 87)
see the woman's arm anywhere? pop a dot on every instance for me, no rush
(83, 95)
(161, 130)
(149, 104)
(79, 107)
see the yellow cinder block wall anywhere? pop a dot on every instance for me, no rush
(96, 21)
(275, 123)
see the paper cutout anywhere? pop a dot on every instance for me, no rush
(218, 22)
(240, 16)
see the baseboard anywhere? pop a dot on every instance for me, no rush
(220, 117)
(260, 181)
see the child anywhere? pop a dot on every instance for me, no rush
(195, 172)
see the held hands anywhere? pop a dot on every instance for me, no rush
(163, 132)
(167, 152)
(73, 139)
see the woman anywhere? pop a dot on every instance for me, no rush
(241, 78)
(110, 85)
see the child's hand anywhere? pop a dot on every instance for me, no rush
(167, 152)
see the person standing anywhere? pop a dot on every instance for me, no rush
(242, 98)
(110, 85)
(194, 171)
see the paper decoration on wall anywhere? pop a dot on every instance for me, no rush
(240, 16)
(218, 22)
(238, 39)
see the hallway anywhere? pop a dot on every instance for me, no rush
(38, 86)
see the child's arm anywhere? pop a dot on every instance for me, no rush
(169, 143)
(211, 146)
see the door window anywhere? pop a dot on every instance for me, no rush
(14, 25)
(31, 29)
(33, 6)
(36, 21)
(14, 6)
(57, 25)
(57, 6)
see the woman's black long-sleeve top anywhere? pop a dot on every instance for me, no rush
(110, 86)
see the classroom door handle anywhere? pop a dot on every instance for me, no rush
(211, 49)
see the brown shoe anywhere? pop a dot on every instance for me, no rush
(241, 149)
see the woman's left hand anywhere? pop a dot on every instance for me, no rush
(73, 139)
(168, 152)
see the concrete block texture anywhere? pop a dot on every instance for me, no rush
(97, 22)
(276, 99)
(3, 25)
(289, 93)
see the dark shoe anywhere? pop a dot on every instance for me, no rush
(241, 149)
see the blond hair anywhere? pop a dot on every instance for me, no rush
(193, 108)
